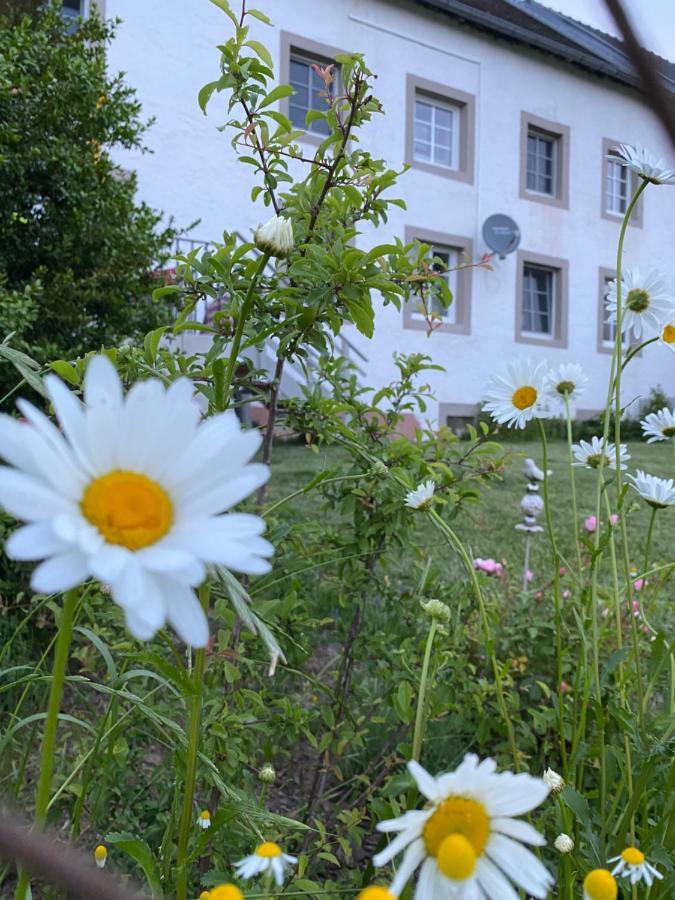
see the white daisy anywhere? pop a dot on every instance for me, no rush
(632, 864)
(600, 884)
(657, 492)
(422, 495)
(130, 494)
(465, 841)
(667, 336)
(644, 163)
(100, 856)
(566, 381)
(555, 782)
(519, 396)
(659, 426)
(268, 857)
(647, 303)
(275, 237)
(563, 843)
(204, 819)
(592, 454)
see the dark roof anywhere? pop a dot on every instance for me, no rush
(528, 22)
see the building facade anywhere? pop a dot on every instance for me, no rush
(514, 113)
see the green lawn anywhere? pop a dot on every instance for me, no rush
(488, 527)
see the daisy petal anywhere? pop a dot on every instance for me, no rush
(60, 573)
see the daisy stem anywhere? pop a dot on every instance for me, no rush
(556, 596)
(570, 454)
(418, 735)
(487, 630)
(239, 332)
(650, 531)
(194, 724)
(48, 751)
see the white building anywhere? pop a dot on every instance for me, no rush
(498, 106)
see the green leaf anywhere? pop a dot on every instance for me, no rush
(66, 371)
(362, 314)
(25, 366)
(205, 93)
(278, 93)
(139, 851)
(259, 15)
(151, 344)
(261, 50)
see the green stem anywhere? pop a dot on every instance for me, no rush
(48, 752)
(194, 725)
(308, 487)
(650, 532)
(570, 454)
(418, 736)
(556, 599)
(241, 323)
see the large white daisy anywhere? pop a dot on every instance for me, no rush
(566, 381)
(268, 857)
(644, 163)
(592, 454)
(518, 396)
(659, 426)
(647, 303)
(465, 841)
(632, 864)
(130, 492)
(657, 492)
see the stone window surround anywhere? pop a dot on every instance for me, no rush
(457, 410)
(464, 279)
(321, 53)
(562, 175)
(633, 182)
(561, 266)
(467, 127)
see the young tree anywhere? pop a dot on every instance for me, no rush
(78, 254)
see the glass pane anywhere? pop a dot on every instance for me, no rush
(442, 156)
(422, 151)
(442, 138)
(443, 117)
(297, 115)
(300, 97)
(299, 72)
(422, 111)
(422, 132)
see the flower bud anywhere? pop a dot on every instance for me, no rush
(437, 610)
(554, 781)
(267, 774)
(100, 856)
(275, 237)
(564, 843)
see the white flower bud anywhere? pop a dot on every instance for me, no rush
(437, 610)
(267, 774)
(275, 237)
(564, 843)
(554, 781)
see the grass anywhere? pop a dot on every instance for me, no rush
(488, 528)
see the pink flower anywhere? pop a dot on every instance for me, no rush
(638, 584)
(564, 687)
(590, 524)
(562, 570)
(605, 612)
(567, 594)
(614, 518)
(489, 566)
(529, 575)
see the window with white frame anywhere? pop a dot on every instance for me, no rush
(309, 92)
(609, 328)
(617, 187)
(442, 259)
(436, 127)
(538, 305)
(542, 162)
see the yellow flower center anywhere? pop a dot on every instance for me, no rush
(668, 334)
(637, 300)
(457, 816)
(600, 885)
(565, 387)
(375, 892)
(456, 857)
(100, 853)
(205, 814)
(205, 895)
(128, 509)
(225, 892)
(268, 850)
(524, 397)
(633, 856)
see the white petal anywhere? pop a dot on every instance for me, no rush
(70, 413)
(210, 498)
(230, 540)
(142, 414)
(29, 499)
(220, 434)
(36, 541)
(108, 562)
(60, 573)
(13, 444)
(184, 612)
(413, 856)
(513, 795)
(521, 866)
(426, 881)
(398, 843)
(425, 782)
(51, 455)
(521, 831)
(413, 819)
(138, 593)
(102, 386)
(494, 882)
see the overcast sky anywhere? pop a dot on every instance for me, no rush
(655, 20)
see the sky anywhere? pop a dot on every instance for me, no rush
(654, 19)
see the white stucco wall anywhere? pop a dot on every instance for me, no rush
(167, 49)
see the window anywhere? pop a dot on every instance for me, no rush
(436, 132)
(541, 301)
(71, 9)
(538, 312)
(446, 251)
(440, 129)
(298, 57)
(541, 162)
(618, 185)
(607, 330)
(544, 164)
(309, 93)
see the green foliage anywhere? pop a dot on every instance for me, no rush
(77, 252)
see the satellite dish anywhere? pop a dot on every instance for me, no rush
(501, 234)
